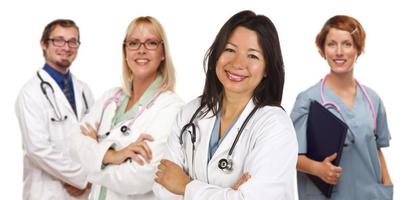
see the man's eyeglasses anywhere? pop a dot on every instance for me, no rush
(60, 42)
(148, 44)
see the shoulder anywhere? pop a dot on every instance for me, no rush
(313, 92)
(31, 95)
(189, 109)
(305, 97)
(169, 98)
(79, 82)
(273, 123)
(371, 93)
(272, 115)
(31, 88)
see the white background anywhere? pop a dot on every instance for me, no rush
(386, 65)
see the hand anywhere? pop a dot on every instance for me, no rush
(244, 178)
(327, 171)
(172, 177)
(74, 191)
(139, 151)
(90, 131)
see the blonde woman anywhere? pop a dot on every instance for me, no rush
(125, 134)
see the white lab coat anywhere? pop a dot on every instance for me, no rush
(47, 161)
(128, 180)
(267, 150)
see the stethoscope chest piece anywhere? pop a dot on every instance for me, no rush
(125, 130)
(225, 165)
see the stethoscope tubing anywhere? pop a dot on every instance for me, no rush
(324, 102)
(116, 98)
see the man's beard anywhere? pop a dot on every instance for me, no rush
(63, 64)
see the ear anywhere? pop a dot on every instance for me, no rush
(43, 45)
(322, 53)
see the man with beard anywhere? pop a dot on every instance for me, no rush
(48, 107)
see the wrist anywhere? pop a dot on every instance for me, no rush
(108, 157)
(188, 180)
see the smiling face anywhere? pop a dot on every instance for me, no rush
(241, 65)
(142, 62)
(60, 58)
(339, 51)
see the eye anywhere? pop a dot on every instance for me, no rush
(348, 44)
(132, 43)
(59, 40)
(152, 42)
(331, 44)
(227, 49)
(73, 41)
(252, 56)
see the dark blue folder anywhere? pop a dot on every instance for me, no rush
(325, 134)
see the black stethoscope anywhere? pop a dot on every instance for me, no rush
(225, 164)
(59, 117)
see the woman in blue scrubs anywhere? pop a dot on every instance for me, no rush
(362, 173)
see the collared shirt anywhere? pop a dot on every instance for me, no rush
(215, 139)
(122, 114)
(58, 77)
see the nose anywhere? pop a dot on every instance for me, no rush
(141, 48)
(339, 51)
(239, 61)
(66, 46)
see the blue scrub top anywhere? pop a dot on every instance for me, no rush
(361, 176)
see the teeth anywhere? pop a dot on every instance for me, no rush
(339, 61)
(235, 77)
(141, 61)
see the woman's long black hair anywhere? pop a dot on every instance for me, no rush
(270, 89)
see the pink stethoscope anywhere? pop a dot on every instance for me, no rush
(338, 109)
(125, 129)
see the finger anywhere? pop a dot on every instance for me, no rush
(97, 125)
(144, 137)
(137, 159)
(89, 127)
(161, 167)
(140, 151)
(84, 131)
(159, 174)
(157, 180)
(146, 147)
(331, 157)
(337, 169)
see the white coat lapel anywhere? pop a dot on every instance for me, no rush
(203, 131)
(228, 141)
(62, 102)
(79, 99)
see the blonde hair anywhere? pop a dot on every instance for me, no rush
(166, 68)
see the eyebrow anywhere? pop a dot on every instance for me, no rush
(250, 49)
(343, 41)
(137, 39)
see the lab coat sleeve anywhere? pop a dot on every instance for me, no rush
(131, 178)
(271, 164)
(33, 121)
(85, 148)
(174, 153)
(299, 116)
